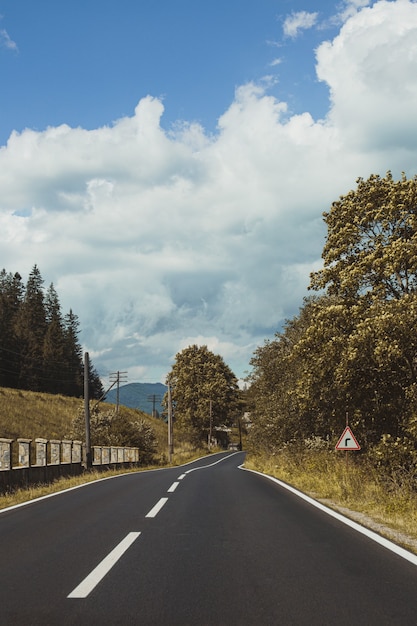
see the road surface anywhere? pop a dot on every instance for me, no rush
(204, 544)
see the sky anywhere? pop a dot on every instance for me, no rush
(166, 164)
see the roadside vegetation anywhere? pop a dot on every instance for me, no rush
(350, 352)
(34, 414)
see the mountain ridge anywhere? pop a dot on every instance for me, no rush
(139, 396)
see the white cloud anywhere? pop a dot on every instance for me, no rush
(369, 68)
(6, 41)
(160, 239)
(349, 8)
(296, 22)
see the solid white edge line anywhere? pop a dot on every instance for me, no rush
(386, 543)
(98, 573)
(158, 506)
(173, 487)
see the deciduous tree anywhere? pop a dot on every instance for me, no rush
(354, 347)
(204, 391)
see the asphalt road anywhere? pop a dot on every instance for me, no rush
(204, 544)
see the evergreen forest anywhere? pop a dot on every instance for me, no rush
(39, 346)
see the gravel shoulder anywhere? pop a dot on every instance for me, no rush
(398, 537)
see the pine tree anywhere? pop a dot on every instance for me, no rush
(55, 368)
(39, 349)
(31, 327)
(11, 296)
(96, 389)
(73, 356)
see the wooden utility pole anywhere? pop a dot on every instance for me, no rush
(211, 424)
(170, 425)
(154, 398)
(118, 377)
(88, 458)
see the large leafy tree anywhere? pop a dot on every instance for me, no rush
(277, 389)
(353, 348)
(370, 264)
(372, 241)
(204, 392)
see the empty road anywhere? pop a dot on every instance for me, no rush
(204, 544)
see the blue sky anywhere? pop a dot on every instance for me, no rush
(87, 63)
(166, 165)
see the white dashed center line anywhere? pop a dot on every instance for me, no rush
(158, 506)
(98, 573)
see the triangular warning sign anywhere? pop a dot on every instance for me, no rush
(347, 441)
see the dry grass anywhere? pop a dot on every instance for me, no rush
(30, 414)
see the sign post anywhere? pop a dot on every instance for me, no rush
(347, 440)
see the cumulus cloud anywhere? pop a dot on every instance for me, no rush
(160, 238)
(296, 22)
(349, 8)
(368, 68)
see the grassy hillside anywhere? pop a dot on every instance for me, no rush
(31, 414)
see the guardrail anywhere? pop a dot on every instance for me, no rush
(54, 458)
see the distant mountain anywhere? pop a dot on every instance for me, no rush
(139, 396)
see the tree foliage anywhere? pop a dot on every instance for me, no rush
(108, 428)
(204, 392)
(39, 348)
(353, 347)
(371, 241)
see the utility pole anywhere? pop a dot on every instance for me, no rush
(154, 398)
(240, 433)
(170, 425)
(211, 424)
(118, 377)
(88, 458)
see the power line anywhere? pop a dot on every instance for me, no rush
(118, 377)
(154, 398)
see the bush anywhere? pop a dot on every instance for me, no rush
(108, 428)
(395, 458)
